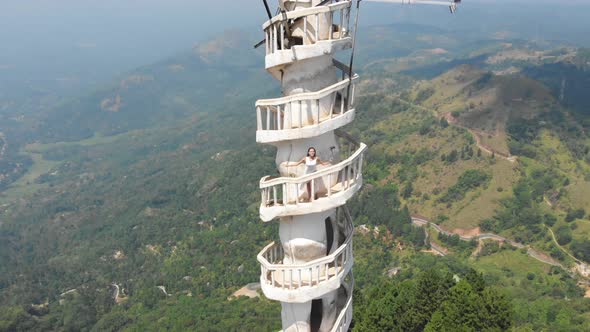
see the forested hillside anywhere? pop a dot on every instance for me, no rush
(139, 206)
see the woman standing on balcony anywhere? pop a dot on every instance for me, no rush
(311, 161)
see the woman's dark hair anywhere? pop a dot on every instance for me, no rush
(316, 151)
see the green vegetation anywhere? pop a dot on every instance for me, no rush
(581, 249)
(575, 214)
(381, 206)
(469, 180)
(489, 248)
(28, 182)
(455, 243)
(432, 301)
(158, 196)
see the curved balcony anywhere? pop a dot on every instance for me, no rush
(293, 35)
(308, 114)
(305, 282)
(345, 317)
(330, 188)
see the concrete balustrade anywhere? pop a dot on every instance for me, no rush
(310, 271)
(330, 187)
(306, 26)
(306, 115)
(307, 32)
(345, 317)
(304, 282)
(311, 266)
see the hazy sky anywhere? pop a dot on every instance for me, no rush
(38, 35)
(49, 39)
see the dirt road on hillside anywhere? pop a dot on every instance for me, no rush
(477, 136)
(542, 257)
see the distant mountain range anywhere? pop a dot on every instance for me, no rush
(147, 183)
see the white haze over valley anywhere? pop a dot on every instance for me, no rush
(84, 43)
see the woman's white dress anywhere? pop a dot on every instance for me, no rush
(310, 167)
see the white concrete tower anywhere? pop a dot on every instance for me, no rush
(310, 270)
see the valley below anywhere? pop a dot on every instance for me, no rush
(133, 207)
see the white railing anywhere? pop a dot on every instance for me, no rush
(324, 183)
(279, 29)
(345, 317)
(295, 276)
(306, 109)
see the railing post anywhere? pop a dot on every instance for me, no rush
(283, 273)
(267, 41)
(300, 114)
(285, 197)
(334, 95)
(346, 101)
(258, 118)
(312, 198)
(272, 39)
(268, 118)
(276, 40)
(331, 25)
(304, 29)
(318, 112)
(271, 255)
(274, 195)
(317, 28)
(282, 35)
(345, 177)
(319, 275)
(358, 167)
(290, 112)
(278, 117)
(361, 157)
(341, 25)
(348, 21)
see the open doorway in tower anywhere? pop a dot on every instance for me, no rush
(320, 321)
(316, 315)
(317, 318)
(329, 235)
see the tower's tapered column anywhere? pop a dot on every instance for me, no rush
(310, 270)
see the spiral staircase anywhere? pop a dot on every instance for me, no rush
(310, 270)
